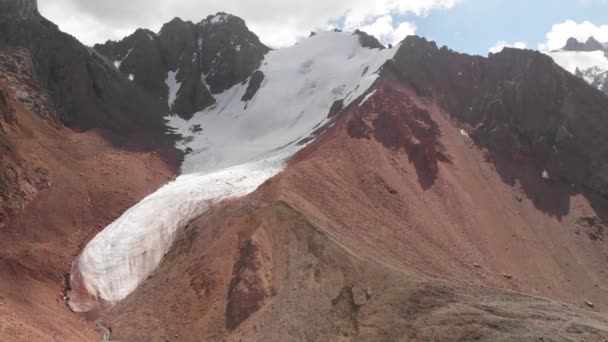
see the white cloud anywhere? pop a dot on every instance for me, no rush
(277, 22)
(384, 29)
(559, 34)
(501, 44)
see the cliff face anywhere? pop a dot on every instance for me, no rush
(87, 92)
(19, 8)
(520, 105)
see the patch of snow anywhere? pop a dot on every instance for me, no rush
(571, 60)
(220, 18)
(199, 41)
(367, 97)
(238, 47)
(239, 149)
(464, 133)
(150, 36)
(173, 86)
(131, 77)
(545, 175)
(118, 63)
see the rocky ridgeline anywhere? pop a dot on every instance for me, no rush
(520, 105)
(205, 59)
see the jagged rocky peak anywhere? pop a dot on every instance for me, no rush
(368, 40)
(232, 51)
(19, 8)
(185, 63)
(590, 45)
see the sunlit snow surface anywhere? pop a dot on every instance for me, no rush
(241, 145)
(583, 60)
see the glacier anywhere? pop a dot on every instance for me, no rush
(240, 146)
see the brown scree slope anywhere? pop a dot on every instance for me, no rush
(394, 225)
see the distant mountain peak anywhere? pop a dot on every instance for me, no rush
(590, 45)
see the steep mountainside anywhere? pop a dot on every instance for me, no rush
(186, 63)
(395, 222)
(335, 190)
(79, 144)
(425, 163)
(588, 61)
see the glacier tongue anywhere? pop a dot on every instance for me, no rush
(233, 148)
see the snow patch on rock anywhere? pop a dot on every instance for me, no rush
(367, 98)
(118, 63)
(572, 60)
(174, 87)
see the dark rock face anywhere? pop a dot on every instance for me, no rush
(254, 85)
(209, 58)
(368, 41)
(7, 113)
(521, 105)
(19, 8)
(231, 52)
(138, 55)
(85, 90)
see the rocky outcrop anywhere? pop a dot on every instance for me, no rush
(254, 85)
(85, 90)
(368, 41)
(520, 104)
(198, 60)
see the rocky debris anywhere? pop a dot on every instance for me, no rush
(393, 119)
(20, 182)
(7, 113)
(589, 304)
(250, 285)
(255, 82)
(520, 103)
(592, 226)
(208, 57)
(368, 40)
(17, 73)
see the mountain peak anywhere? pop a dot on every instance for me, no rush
(590, 45)
(593, 45)
(19, 8)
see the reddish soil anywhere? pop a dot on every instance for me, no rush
(88, 183)
(391, 226)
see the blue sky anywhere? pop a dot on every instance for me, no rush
(473, 26)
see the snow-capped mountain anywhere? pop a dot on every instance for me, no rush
(233, 145)
(588, 61)
(332, 190)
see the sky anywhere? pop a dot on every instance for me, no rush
(469, 26)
